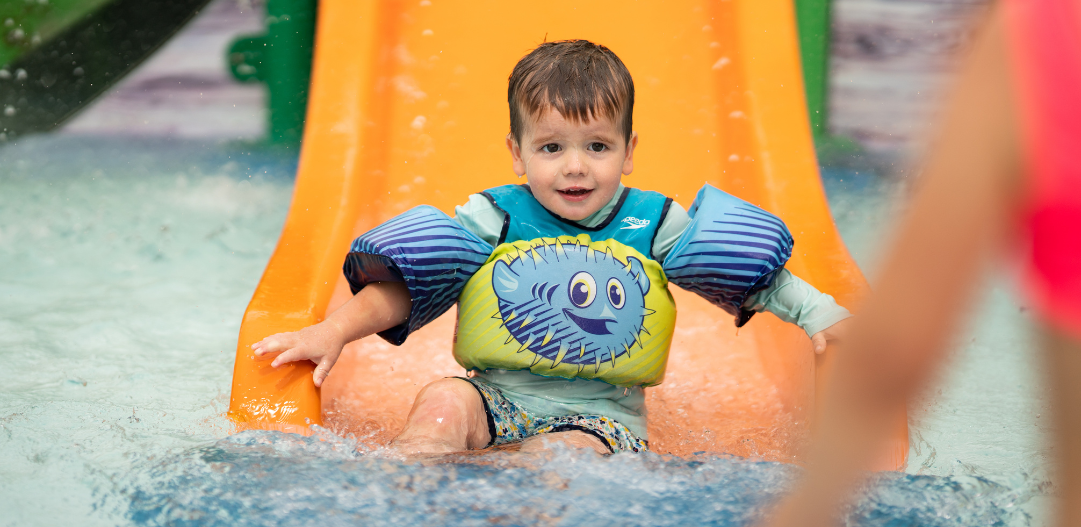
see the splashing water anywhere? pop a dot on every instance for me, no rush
(268, 478)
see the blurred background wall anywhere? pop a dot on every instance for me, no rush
(890, 61)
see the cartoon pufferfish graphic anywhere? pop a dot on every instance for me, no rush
(572, 304)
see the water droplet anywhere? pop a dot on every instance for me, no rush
(9, 110)
(20, 74)
(418, 122)
(5, 74)
(722, 62)
(9, 22)
(78, 72)
(16, 34)
(427, 32)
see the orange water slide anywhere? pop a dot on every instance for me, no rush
(408, 107)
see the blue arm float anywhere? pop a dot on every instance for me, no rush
(730, 250)
(426, 249)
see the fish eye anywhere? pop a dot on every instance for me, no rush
(615, 293)
(583, 289)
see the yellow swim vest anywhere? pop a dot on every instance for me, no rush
(568, 307)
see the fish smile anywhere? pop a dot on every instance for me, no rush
(594, 326)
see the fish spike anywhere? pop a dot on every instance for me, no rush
(559, 355)
(627, 348)
(597, 363)
(525, 345)
(548, 336)
(612, 357)
(509, 338)
(536, 256)
(497, 316)
(608, 253)
(636, 340)
(560, 251)
(510, 317)
(646, 331)
(536, 359)
(581, 351)
(647, 311)
(528, 319)
(591, 253)
(580, 368)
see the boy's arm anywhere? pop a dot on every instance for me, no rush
(404, 273)
(377, 307)
(795, 301)
(480, 217)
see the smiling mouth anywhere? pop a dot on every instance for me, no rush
(594, 326)
(575, 193)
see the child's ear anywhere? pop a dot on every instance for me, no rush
(628, 161)
(517, 163)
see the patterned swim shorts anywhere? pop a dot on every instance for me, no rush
(509, 423)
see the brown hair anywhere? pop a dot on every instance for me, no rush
(576, 77)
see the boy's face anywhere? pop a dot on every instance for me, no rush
(573, 169)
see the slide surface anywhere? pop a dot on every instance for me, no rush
(408, 107)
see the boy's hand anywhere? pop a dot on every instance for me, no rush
(834, 332)
(321, 344)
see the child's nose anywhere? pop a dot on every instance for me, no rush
(574, 163)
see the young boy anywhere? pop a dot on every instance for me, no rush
(564, 313)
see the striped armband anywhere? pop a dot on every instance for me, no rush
(424, 248)
(730, 250)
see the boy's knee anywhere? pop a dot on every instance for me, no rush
(450, 413)
(454, 397)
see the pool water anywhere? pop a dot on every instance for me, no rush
(125, 267)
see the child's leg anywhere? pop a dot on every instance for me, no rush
(447, 416)
(571, 438)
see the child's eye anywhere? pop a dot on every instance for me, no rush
(596, 147)
(550, 148)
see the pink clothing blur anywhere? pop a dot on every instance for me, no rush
(1045, 38)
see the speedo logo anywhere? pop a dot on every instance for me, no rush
(634, 223)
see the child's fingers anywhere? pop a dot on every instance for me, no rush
(291, 355)
(274, 344)
(818, 341)
(322, 371)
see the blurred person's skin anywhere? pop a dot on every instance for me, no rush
(964, 217)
